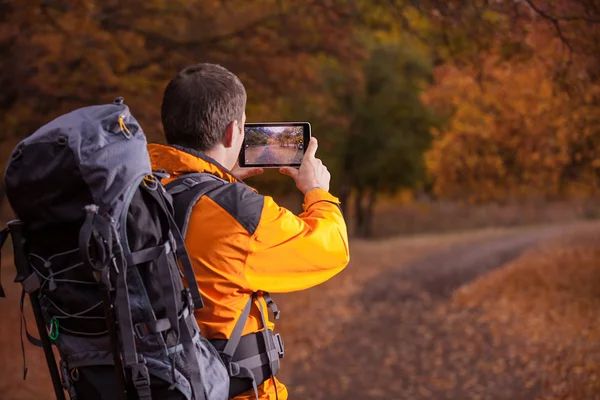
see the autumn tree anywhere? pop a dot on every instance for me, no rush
(522, 119)
(518, 85)
(506, 135)
(284, 138)
(256, 137)
(60, 54)
(518, 82)
(371, 126)
(57, 55)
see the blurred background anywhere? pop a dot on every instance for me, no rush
(463, 141)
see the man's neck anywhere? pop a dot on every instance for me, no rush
(219, 154)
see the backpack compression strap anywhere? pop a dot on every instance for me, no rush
(31, 285)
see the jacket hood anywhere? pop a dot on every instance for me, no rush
(177, 161)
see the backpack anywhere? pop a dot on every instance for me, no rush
(97, 250)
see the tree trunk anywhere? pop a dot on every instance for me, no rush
(344, 198)
(359, 216)
(368, 214)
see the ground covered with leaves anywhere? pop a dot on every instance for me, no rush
(495, 314)
(488, 316)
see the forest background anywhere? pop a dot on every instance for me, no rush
(474, 101)
(462, 135)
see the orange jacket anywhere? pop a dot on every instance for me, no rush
(244, 242)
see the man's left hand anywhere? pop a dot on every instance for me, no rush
(243, 173)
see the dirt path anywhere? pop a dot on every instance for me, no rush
(273, 154)
(407, 341)
(440, 273)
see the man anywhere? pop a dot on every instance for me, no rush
(240, 242)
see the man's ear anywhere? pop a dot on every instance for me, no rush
(230, 132)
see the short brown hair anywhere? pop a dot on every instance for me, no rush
(199, 103)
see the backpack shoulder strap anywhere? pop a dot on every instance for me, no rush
(186, 191)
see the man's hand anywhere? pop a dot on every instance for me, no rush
(243, 173)
(312, 173)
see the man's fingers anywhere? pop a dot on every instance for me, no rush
(254, 171)
(311, 149)
(292, 172)
(243, 173)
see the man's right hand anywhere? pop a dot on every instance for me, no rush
(312, 173)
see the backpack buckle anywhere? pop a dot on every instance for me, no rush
(141, 379)
(233, 369)
(279, 345)
(141, 330)
(62, 140)
(190, 182)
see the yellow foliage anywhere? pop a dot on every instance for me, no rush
(511, 132)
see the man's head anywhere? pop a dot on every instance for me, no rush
(203, 108)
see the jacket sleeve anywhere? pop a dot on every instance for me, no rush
(289, 253)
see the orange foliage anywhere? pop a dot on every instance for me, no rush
(517, 127)
(59, 55)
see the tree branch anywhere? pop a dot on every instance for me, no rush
(138, 67)
(554, 21)
(188, 44)
(53, 22)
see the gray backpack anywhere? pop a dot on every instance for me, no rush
(97, 248)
